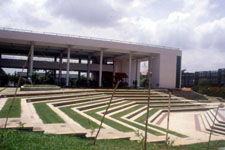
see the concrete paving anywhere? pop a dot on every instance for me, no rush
(189, 123)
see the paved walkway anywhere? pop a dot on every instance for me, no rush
(186, 123)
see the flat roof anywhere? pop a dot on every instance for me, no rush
(19, 36)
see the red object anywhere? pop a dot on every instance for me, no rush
(121, 75)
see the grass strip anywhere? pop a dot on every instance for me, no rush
(107, 121)
(46, 114)
(15, 110)
(83, 121)
(142, 119)
(23, 140)
(120, 114)
(39, 85)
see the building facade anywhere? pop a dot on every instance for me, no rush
(102, 61)
(216, 77)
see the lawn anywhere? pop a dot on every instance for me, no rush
(142, 119)
(46, 114)
(15, 110)
(39, 85)
(24, 140)
(107, 121)
(122, 113)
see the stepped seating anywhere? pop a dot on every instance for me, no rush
(81, 110)
(49, 93)
(157, 99)
(208, 117)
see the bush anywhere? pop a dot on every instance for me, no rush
(144, 82)
(204, 82)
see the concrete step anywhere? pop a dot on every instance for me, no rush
(173, 105)
(61, 97)
(165, 102)
(146, 98)
(208, 120)
(39, 93)
(219, 118)
(81, 101)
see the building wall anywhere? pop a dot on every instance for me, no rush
(216, 77)
(167, 75)
(164, 63)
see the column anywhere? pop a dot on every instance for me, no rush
(78, 75)
(129, 71)
(60, 68)
(30, 60)
(79, 60)
(68, 67)
(100, 69)
(149, 66)
(138, 72)
(54, 70)
(114, 70)
(88, 70)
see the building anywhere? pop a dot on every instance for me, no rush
(188, 79)
(100, 60)
(216, 77)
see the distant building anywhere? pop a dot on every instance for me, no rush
(103, 61)
(217, 78)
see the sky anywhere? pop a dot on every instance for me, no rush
(197, 27)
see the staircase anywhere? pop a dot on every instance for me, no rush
(208, 118)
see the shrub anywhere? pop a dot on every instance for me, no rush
(204, 82)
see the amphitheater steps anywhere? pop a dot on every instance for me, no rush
(207, 119)
(39, 93)
(62, 97)
(80, 101)
(219, 118)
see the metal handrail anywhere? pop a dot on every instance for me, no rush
(86, 37)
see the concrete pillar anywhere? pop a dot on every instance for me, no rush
(114, 70)
(149, 65)
(54, 71)
(68, 67)
(30, 60)
(79, 60)
(78, 74)
(88, 70)
(129, 71)
(60, 68)
(138, 72)
(100, 69)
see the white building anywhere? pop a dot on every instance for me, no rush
(104, 59)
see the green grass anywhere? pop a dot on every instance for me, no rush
(46, 114)
(107, 121)
(2, 89)
(120, 114)
(142, 119)
(83, 121)
(39, 85)
(23, 140)
(15, 110)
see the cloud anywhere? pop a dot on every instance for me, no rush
(97, 13)
(203, 59)
(23, 14)
(196, 27)
(28, 14)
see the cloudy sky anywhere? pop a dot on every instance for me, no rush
(197, 27)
